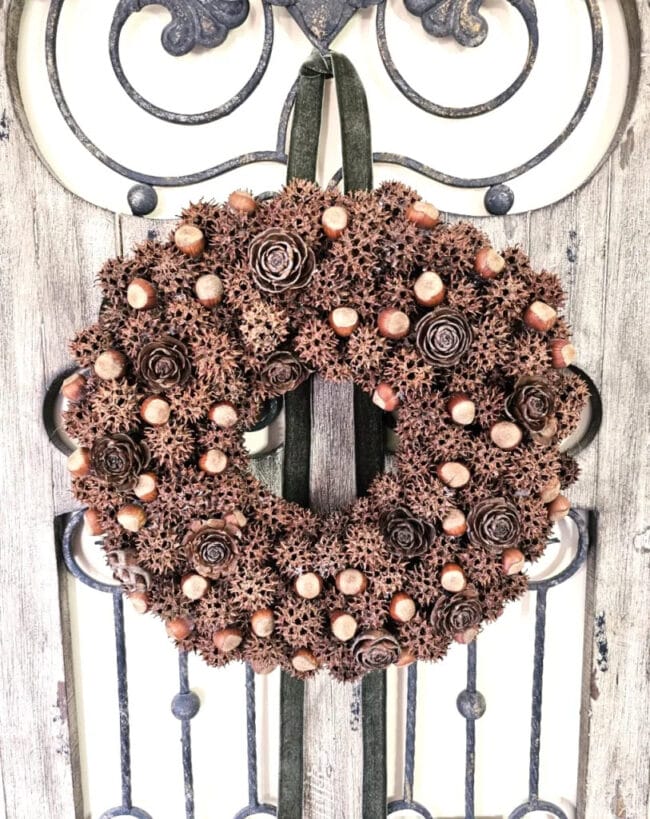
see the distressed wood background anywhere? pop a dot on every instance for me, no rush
(51, 245)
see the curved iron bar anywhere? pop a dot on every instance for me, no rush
(596, 405)
(72, 528)
(125, 9)
(529, 14)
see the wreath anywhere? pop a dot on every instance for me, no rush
(242, 303)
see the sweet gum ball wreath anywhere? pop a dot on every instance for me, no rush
(241, 304)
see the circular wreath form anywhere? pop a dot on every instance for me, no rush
(241, 304)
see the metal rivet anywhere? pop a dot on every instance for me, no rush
(142, 199)
(471, 704)
(499, 199)
(186, 706)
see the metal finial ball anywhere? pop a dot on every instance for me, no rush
(142, 199)
(186, 706)
(499, 199)
(471, 704)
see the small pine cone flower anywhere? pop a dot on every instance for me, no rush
(443, 337)
(283, 372)
(164, 363)
(375, 649)
(457, 614)
(118, 460)
(212, 546)
(407, 534)
(280, 261)
(494, 524)
(532, 403)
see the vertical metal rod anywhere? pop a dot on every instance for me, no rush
(251, 737)
(538, 680)
(470, 735)
(123, 698)
(409, 743)
(186, 739)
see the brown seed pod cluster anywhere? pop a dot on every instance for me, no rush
(242, 303)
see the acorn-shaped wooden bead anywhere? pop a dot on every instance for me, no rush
(236, 518)
(179, 628)
(452, 578)
(385, 397)
(304, 661)
(454, 523)
(141, 294)
(540, 316)
(209, 290)
(513, 561)
(93, 523)
(223, 414)
(263, 622)
(488, 263)
(242, 202)
(551, 490)
(344, 321)
(110, 365)
(563, 353)
(558, 509)
(343, 625)
(155, 410)
(189, 239)
(72, 388)
(308, 585)
(213, 462)
(453, 474)
(140, 601)
(402, 607)
(334, 221)
(429, 289)
(506, 435)
(467, 636)
(393, 323)
(461, 409)
(351, 582)
(131, 517)
(194, 586)
(423, 214)
(406, 658)
(146, 489)
(79, 462)
(227, 639)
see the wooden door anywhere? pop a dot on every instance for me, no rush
(52, 243)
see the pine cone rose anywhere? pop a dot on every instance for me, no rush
(118, 460)
(212, 547)
(457, 614)
(443, 337)
(283, 372)
(280, 261)
(164, 363)
(494, 524)
(375, 649)
(532, 403)
(407, 534)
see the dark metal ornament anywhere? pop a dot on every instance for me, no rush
(142, 199)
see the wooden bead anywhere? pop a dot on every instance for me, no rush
(344, 321)
(423, 214)
(452, 578)
(393, 323)
(189, 240)
(140, 601)
(304, 661)
(155, 410)
(263, 666)
(236, 518)
(551, 490)
(488, 263)
(179, 628)
(242, 202)
(506, 435)
(110, 365)
(92, 523)
(453, 474)
(224, 415)
(467, 636)
(540, 316)
(308, 585)
(141, 294)
(79, 462)
(563, 353)
(512, 561)
(402, 607)
(214, 462)
(131, 517)
(194, 586)
(385, 397)
(209, 290)
(72, 388)
(227, 639)
(351, 582)
(146, 489)
(334, 221)
(558, 509)
(343, 625)
(405, 658)
(454, 523)
(461, 409)
(263, 622)
(429, 289)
